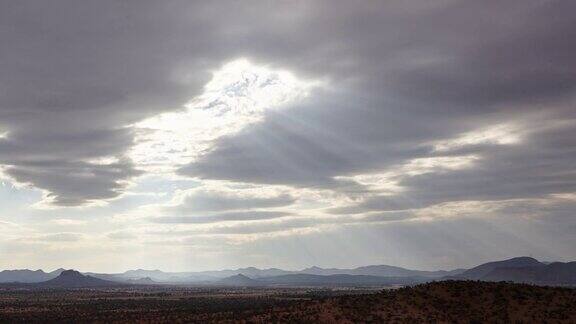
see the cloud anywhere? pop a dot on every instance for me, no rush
(222, 217)
(84, 182)
(121, 236)
(59, 237)
(436, 89)
(214, 199)
(69, 222)
(235, 98)
(71, 93)
(256, 224)
(538, 167)
(422, 106)
(317, 224)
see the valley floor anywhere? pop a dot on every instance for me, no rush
(438, 302)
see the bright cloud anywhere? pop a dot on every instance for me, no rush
(237, 96)
(504, 134)
(387, 182)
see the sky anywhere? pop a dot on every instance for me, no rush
(194, 135)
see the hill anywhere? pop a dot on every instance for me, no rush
(338, 280)
(484, 269)
(24, 276)
(556, 273)
(238, 280)
(141, 281)
(140, 273)
(251, 272)
(27, 276)
(381, 271)
(74, 279)
(437, 302)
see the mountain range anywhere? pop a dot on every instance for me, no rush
(29, 276)
(521, 269)
(382, 271)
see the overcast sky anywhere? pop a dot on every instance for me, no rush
(194, 135)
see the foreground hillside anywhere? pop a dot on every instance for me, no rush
(438, 302)
(446, 302)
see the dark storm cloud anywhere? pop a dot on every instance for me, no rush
(74, 74)
(74, 183)
(442, 71)
(526, 60)
(403, 74)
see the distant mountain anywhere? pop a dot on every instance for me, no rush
(302, 279)
(142, 281)
(557, 273)
(141, 273)
(391, 271)
(106, 276)
(157, 275)
(382, 271)
(324, 271)
(74, 279)
(482, 270)
(514, 274)
(57, 272)
(25, 276)
(238, 280)
(251, 272)
(201, 276)
(211, 276)
(339, 280)
(520, 269)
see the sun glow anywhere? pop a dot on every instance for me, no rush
(237, 96)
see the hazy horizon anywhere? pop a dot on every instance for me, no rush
(260, 268)
(48, 270)
(190, 135)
